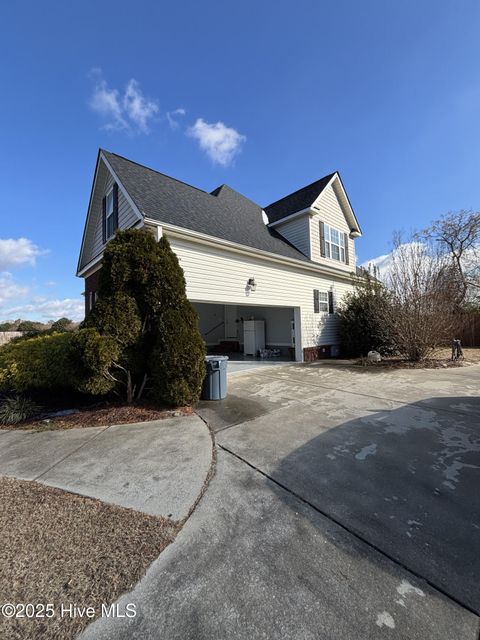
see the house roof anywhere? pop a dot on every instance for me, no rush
(298, 200)
(224, 213)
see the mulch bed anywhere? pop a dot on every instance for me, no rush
(61, 548)
(101, 416)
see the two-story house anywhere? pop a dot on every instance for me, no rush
(288, 263)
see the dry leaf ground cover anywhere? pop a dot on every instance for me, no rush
(62, 548)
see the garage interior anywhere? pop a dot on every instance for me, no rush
(248, 333)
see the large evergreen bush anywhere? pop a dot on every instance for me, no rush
(142, 305)
(364, 319)
(177, 360)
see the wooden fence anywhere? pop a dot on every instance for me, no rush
(469, 330)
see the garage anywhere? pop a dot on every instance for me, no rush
(250, 334)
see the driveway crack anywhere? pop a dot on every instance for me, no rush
(67, 455)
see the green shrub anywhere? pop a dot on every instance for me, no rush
(15, 409)
(90, 359)
(78, 361)
(177, 361)
(36, 362)
(62, 324)
(364, 319)
(142, 305)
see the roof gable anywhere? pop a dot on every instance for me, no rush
(308, 198)
(298, 200)
(128, 215)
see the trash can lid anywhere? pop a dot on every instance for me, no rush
(208, 358)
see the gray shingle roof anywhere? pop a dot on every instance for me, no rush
(297, 201)
(224, 213)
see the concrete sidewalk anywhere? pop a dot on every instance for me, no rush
(156, 467)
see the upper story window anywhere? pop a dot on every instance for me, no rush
(109, 212)
(333, 243)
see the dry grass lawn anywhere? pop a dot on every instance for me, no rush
(62, 548)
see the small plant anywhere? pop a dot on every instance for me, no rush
(15, 409)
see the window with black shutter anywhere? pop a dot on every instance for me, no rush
(316, 301)
(111, 212)
(330, 302)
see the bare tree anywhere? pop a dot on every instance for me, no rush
(423, 284)
(458, 237)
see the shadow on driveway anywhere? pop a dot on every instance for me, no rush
(406, 480)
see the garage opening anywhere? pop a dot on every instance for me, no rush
(249, 333)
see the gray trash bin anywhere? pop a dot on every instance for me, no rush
(215, 383)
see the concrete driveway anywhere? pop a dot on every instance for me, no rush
(344, 506)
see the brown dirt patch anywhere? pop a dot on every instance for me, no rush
(61, 548)
(101, 417)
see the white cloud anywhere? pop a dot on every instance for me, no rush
(137, 107)
(107, 102)
(382, 263)
(404, 253)
(407, 252)
(131, 111)
(220, 143)
(45, 309)
(16, 252)
(171, 120)
(9, 289)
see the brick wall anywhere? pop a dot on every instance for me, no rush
(91, 287)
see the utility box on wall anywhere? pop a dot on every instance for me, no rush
(310, 354)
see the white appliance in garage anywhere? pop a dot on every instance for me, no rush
(253, 336)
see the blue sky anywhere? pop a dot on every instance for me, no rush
(387, 93)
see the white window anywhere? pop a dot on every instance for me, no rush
(323, 301)
(110, 218)
(334, 243)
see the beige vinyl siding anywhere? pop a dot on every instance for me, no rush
(330, 212)
(219, 275)
(126, 215)
(298, 233)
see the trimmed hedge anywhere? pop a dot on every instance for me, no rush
(76, 361)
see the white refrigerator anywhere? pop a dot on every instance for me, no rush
(253, 337)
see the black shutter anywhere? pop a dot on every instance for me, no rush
(345, 239)
(104, 219)
(115, 206)
(322, 239)
(316, 301)
(330, 302)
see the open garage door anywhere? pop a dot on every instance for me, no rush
(245, 332)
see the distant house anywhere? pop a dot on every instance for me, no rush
(288, 263)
